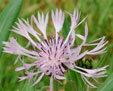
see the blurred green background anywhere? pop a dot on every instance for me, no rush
(100, 23)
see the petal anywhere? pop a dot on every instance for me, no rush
(19, 69)
(38, 80)
(88, 82)
(58, 19)
(22, 78)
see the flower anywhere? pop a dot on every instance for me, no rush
(55, 54)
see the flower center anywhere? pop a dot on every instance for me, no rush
(52, 56)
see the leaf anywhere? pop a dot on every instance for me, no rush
(108, 84)
(70, 86)
(66, 28)
(105, 7)
(7, 18)
(55, 85)
(110, 69)
(76, 78)
(106, 56)
(27, 86)
(71, 75)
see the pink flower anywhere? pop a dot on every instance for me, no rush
(53, 54)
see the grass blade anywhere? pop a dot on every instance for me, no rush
(70, 86)
(108, 84)
(7, 18)
(106, 56)
(75, 77)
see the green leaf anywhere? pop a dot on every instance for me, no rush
(66, 28)
(106, 56)
(108, 84)
(110, 69)
(7, 18)
(106, 5)
(70, 86)
(76, 78)
(55, 85)
(71, 75)
(27, 86)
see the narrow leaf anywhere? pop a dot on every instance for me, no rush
(70, 86)
(71, 75)
(55, 85)
(105, 57)
(27, 86)
(7, 18)
(108, 84)
(76, 78)
(110, 69)
(66, 28)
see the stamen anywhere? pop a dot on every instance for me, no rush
(46, 42)
(56, 48)
(61, 43)
(43, 50)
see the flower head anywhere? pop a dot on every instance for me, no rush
(54, 54)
